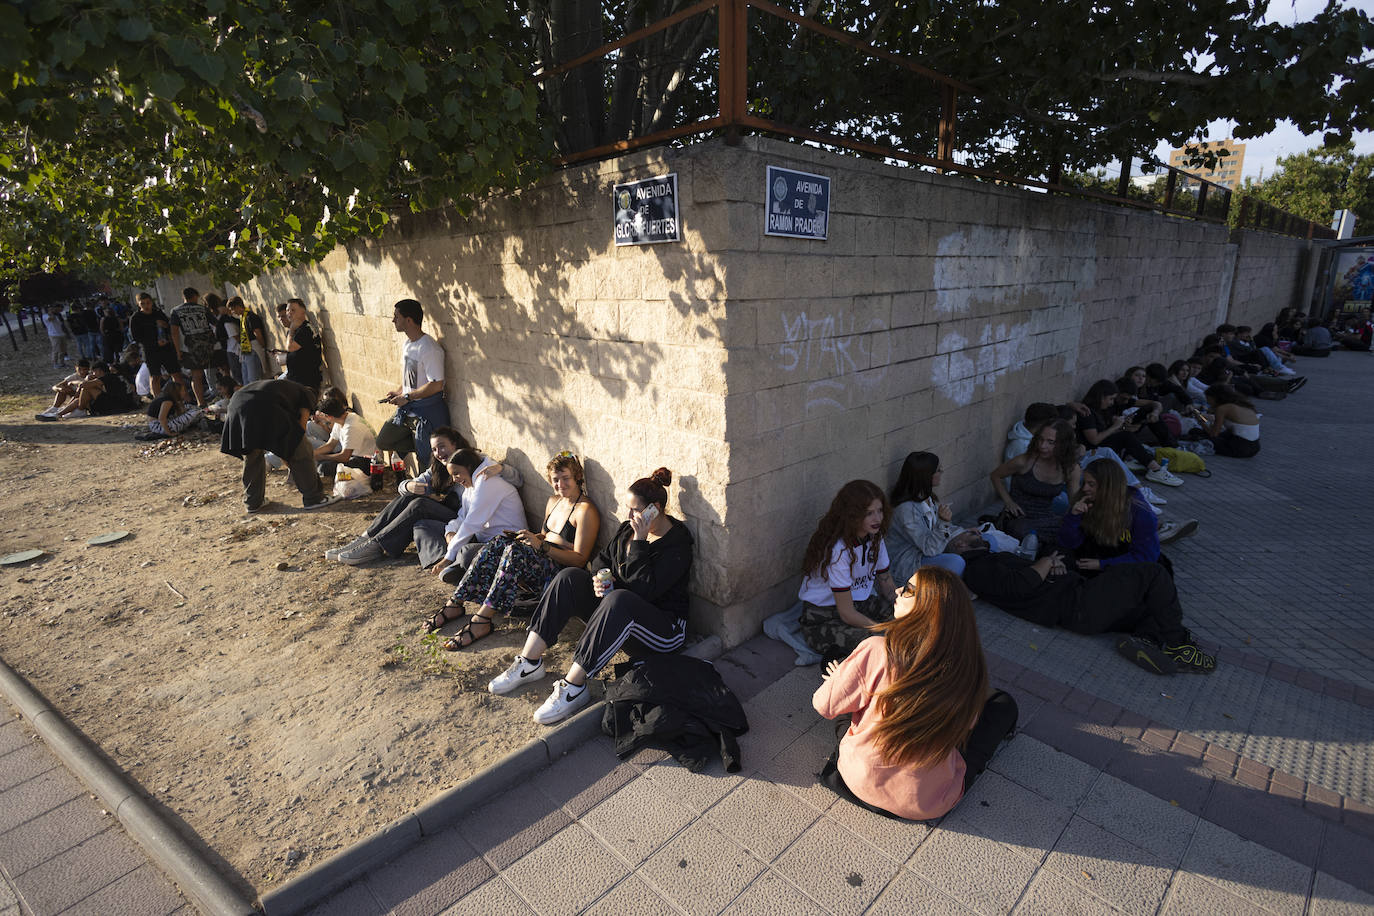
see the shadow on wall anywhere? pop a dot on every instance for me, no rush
(554, 337)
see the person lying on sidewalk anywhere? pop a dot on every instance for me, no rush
(1137, 599)
(923, 725)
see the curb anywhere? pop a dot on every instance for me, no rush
(195, 877)
(443, 810)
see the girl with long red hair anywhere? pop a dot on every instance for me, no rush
(923, 725)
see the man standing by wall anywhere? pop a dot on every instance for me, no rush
(420, 405)
(193, 338)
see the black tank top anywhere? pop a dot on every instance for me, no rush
(569, 530)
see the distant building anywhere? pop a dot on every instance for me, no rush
(1227, 171)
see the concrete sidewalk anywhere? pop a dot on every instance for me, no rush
(60, 851)
(1249, 791)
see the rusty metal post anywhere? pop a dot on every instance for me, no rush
(1170, 185)
(948, 107)
(733, 16)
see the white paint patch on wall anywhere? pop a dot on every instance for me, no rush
(1000, 266)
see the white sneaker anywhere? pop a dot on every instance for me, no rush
(1173, 531)
(333, 552)
(521, 671)
(366, 551)
(1164, 476)
(78, 414)
(1133, 465)
(562, 703)
(50, 412)
(1153, 498)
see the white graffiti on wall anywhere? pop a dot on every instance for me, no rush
(848, 350)
(1000, 266)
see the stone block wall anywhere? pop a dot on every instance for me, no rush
(766, 372)
(1268, 276)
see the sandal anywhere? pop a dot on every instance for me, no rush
(442, 617)
(466, 636)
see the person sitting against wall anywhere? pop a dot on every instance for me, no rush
(433, 496)
(923, 724)
(1038, 476)
(1135, 599)
(527, 559)
(351, 441)
(846, 584)
(635, 596)
(170, 414)
(1103, 427)
(1355, 334)
(66, 389)
(304, 356)
(1146, 413)
(1316, 340)
(1111, 523)
(1234, 424)
(921, 524)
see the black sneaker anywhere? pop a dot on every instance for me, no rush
(1148, 655)
(1188, 657)
(1297, 383)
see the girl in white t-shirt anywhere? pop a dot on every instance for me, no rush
(846, 587)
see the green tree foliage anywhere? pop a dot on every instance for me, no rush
(1317, 183)
(231, 137)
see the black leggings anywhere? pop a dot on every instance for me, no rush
(619, 618)
(1232, 446)
(995, 724)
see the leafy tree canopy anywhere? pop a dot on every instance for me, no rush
(234, 136)
(1317, 183)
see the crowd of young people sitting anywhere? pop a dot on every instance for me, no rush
(1076, 545)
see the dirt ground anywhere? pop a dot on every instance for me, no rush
(280, 705)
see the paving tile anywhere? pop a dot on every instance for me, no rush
(1248, 870)
(907, 894)
(700, 870)
(1268, 820)
(37, 796)
(837, 869)
(1164, 775)
(630, 897)
(24, 763)
(762, 817)
(1348, 855)
(1049, 894)
(789, 698)
(999, 809)
(586, 776)
(1333, 897)
(982, 874)
(750, 667)
(697, 791)
(1052, 774)
(492, 898)
(1190, 895)
(1139, 818)
(354, 900)
(768, 736)
(773, 895)
(49, 834)
(566, 874)
(895, 838)
(1066, 732)
(637, 820)
(798, 771)
(1104, 865)
(83, 870)
(431, 875)
(511, 826)
(142, 892)
(9, 900)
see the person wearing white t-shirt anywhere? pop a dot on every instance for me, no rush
(420, 405)
(846, 587)
(351, 440)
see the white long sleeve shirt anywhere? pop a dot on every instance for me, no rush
(490, 506)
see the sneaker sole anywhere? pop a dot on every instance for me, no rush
(360, 561)
(1188, 529)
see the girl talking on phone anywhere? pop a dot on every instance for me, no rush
(634, 595)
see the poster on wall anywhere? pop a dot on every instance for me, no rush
(797, 204)
(646, 211)
(1352, 279)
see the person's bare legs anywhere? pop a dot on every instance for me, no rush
(198, 386)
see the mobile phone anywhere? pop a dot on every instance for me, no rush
(649, 514)
(384, 400)
(1130, 411)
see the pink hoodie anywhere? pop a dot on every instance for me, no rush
(906, 791)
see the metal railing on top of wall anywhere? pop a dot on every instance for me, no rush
(1210, 202)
